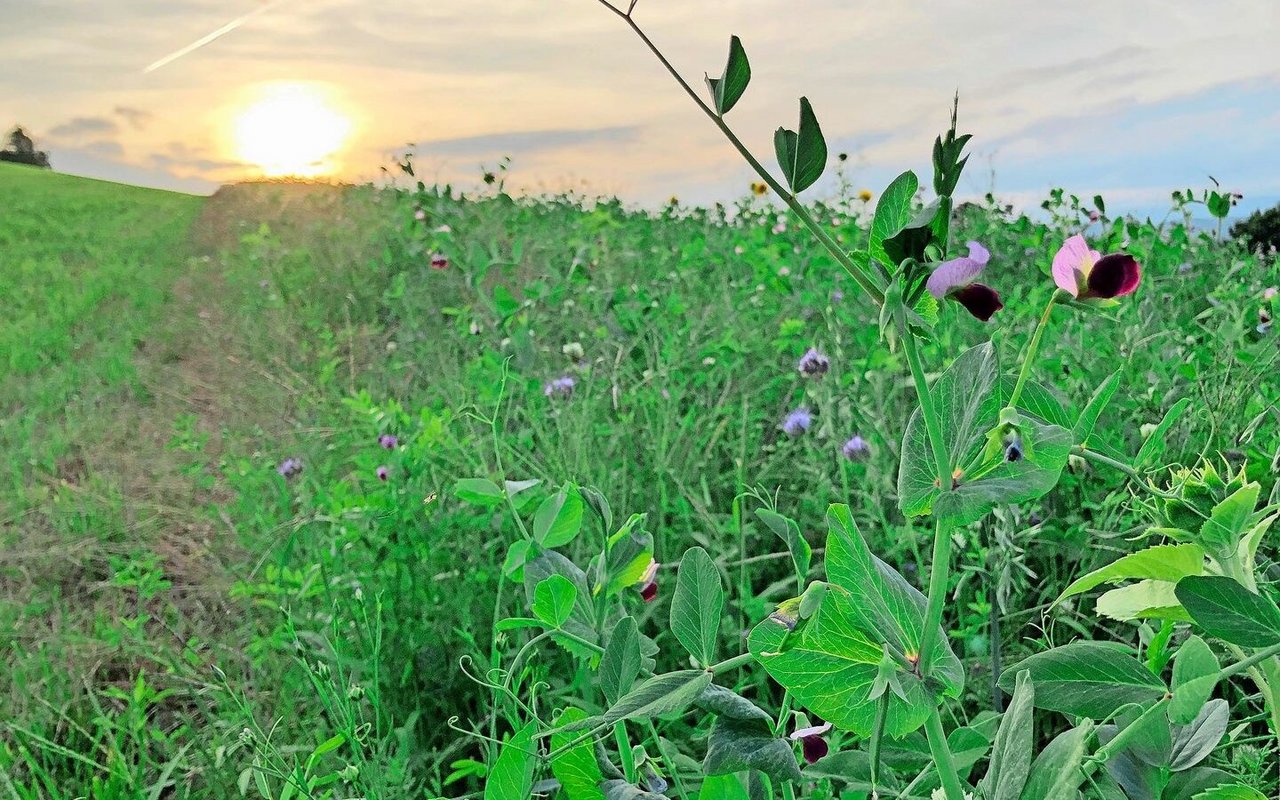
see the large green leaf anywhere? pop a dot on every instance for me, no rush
(620, 664)
(789, 532)
(728, 88)
(830, 665)
(576, 767)
(511, 776)
(1089, 417)
(1056, 773)
(553, 600)
(968, 402)
(660, 694)
(802, 154)
(893, 214)
(1142, 600)
(1225, 609)
(559, 517)
(1087, 679)
(1193, 742)
(1011, 755)
(697, 606)
(1195, 673)
(1154, 446)
(964, 399)
(890, 610)
(1165, 562)
(478, 491)
(736, 745)
(722, 787)
(1222, 531)
(1234, 791)
(581, 620)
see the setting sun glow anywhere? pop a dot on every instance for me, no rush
(291, 130)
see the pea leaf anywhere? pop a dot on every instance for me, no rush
(1195, 673)
(1227, 522)
(789, 532)
(553, 600)
(559, 518)
(1154, 446)
(511, 777)
(658, 695)
(1056, 773)
(728, 88)
(1097, 403)
(698, 605)
(1234, 791)
(1226, 609)
(1087, 679)
(736, 745)
(1192, 743)
(620, 664)
(802, 154)
(478, 491)
(1165, 562)
(576, 768)
(722, 787)
(1142, 600)
(1011, 755)
(893, 214)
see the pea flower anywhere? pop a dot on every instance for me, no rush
(648, 582)
(1270, 292)
(420, 215)
(382, 472)
(290, 467)
(1087, 275)
(956, 279)
(813, 364)
(796, 423)
(811, 741)
(856, 448)
(388, 441)
(438, 261)
(560, 387)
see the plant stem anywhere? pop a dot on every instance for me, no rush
(730, 663)
(1030, 356)
(942, 761)
(863, 278)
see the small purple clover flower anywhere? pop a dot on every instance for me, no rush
(1086, 274)
(856, 448)
(560, 387)
(796, 423)
(388, 441)
(957, 279)
(382, 472)
(811, 742)
(813, 364)
(290, 467)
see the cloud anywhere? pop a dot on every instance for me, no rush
(136, 117)
(79, 127)
(525, 143)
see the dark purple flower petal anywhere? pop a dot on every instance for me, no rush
(649, 592)
(981, 300)
(1113, 275)
(815, 748)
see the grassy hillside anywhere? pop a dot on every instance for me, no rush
(184, 619)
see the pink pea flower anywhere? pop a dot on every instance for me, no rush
(1086, 274)
(1270, 292)
(811, 741)
(957, 279)
(420, 215)
(648, 582)
(438, 261)
(382, 472)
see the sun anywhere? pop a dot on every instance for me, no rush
(291, 129)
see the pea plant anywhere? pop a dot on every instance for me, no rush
(860, 659)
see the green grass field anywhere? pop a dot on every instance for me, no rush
(179, 620)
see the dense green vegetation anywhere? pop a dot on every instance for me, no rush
(181, 620)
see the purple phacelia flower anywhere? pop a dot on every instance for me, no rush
(560, 387)
(382, 472)
(856, 448)
(811, 741)
(796, 423)
(813, 364)
(290, 467)
(388, 441)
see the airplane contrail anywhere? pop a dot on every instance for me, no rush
(220, 32)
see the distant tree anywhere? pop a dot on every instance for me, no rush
(1260, 230)
(22, 150)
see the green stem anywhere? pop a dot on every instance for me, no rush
(668, 761)
(951, 786)
(1032, 348)
(927, 410)
(939, 572)
(730, 663)
(624, 752)
(1098, 458)
(863, 278)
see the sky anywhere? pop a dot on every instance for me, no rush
(1126, 99)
